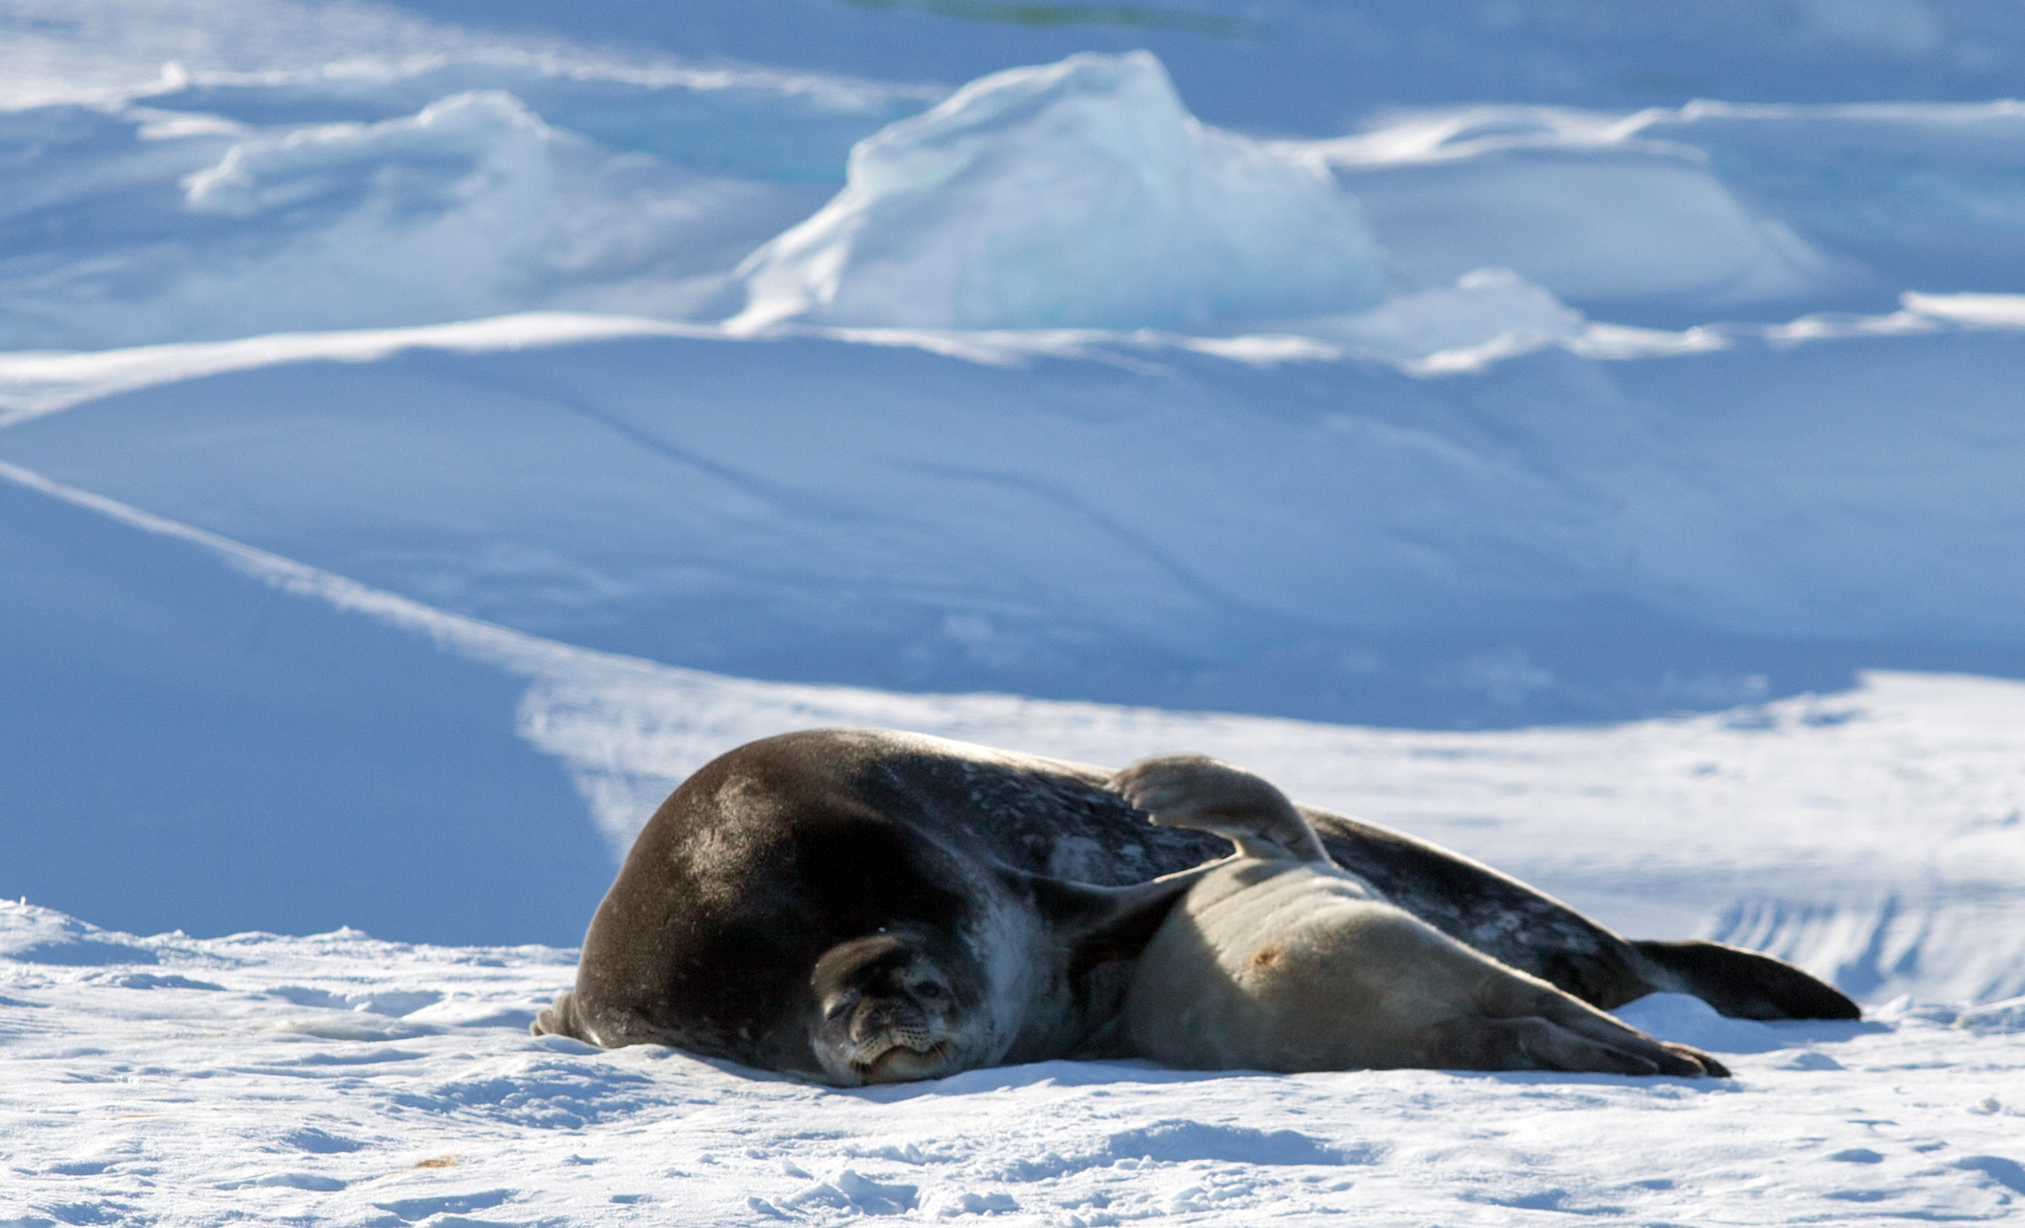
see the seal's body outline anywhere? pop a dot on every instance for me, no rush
(1279, 959)
(862, 905)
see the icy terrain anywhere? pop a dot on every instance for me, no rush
(1584, 435)
(339, 1079)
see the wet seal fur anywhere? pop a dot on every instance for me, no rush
(1279, 959)
(861, 905)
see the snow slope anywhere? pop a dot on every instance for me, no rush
(185, 746)
(1871, 837)
(1612, 525)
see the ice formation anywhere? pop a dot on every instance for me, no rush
(1079, 194)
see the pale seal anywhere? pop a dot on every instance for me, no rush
(853, 905)
(1279, 959)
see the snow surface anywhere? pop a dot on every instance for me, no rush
(1079, 194)
(341, 1079)
(429, 430)
(1144, 518)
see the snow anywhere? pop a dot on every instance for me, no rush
(1080, 194)
(1879, 850)
(428, 431)
(1139, 518)
(342, 1079)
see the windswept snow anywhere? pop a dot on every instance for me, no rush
(1083, 193)
(1135, 518)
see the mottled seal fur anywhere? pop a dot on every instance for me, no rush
(854, 905)
(1279, 959)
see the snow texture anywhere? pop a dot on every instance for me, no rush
(341, 1079)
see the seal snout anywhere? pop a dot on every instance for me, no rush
(889, 1013)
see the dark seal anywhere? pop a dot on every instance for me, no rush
(856, 906)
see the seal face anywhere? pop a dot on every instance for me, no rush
(891, 1011)
(853, 905)
(1280, 960)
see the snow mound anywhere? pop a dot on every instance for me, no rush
(148, 225)
(1921, 195)
(1577, 203)
(486, 134)
(1687, 1020)
(1078, 194)
(1485, 310)
(33, 935)
(2005, 1016)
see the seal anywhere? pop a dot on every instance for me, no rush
(1279, 959)
(856, 905)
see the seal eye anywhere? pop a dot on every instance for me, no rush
(929, 991)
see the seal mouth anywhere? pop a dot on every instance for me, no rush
(907, 1058)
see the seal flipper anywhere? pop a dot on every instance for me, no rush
(1101, 924)
(559, 1019)
(1208, 794)
(1742, 984)
(1102, 931)
(1535, 1043)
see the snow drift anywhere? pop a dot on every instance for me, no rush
(1080, 194)
(1136, 520)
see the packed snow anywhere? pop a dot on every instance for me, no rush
(429, 430)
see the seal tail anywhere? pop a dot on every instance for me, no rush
(1742, 984)
(560, 1019)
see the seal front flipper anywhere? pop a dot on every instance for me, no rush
(1742, 984)
(559, 1019)
(613, 1029)
(1102, 924)
(1100, 934)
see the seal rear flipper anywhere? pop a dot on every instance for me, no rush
(1710, 1066)
(1206, 794)
(1533, 1043)
(1742, 984)
(558, 1019)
